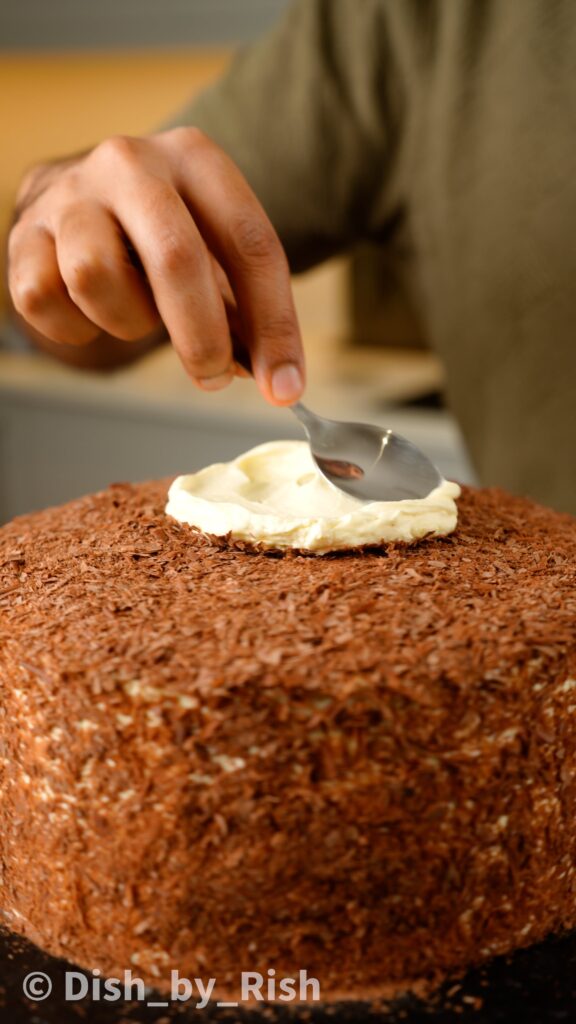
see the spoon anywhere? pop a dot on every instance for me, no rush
(367, 461)
(361, 459)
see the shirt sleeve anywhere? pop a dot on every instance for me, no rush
(308, 113)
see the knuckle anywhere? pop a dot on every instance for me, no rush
(32, 296)
(188, 137)
(174, 256)
(87, 275)
(117, 149)
(64, 192)
(254, 241)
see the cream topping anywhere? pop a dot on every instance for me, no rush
(274, 495)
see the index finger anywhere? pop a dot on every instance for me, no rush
(241, 236)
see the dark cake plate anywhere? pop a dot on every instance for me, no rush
(533, 986)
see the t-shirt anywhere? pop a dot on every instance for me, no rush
(445, 129)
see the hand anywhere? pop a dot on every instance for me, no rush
(163, 228)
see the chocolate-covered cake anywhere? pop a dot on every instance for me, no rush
(218, 759)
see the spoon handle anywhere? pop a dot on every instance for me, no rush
(303, 414)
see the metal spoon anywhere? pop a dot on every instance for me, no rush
(361, 459)
(367, 461)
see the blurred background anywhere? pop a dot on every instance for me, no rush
(73, 72)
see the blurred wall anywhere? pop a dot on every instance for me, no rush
(57, 24)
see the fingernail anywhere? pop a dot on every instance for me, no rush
(286, 383)
(220, 380)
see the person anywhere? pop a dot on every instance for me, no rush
(443, 129)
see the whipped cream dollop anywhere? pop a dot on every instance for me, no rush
(274, 495)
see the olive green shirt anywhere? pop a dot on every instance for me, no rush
(445, 129)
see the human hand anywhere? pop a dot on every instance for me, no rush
(163, 228)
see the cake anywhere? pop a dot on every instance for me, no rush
(216, 757)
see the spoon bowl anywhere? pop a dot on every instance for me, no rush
(367, 461)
